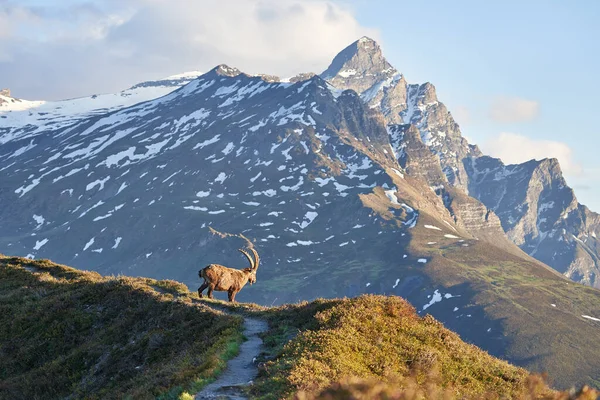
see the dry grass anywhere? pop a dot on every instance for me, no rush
(65, 332)
(376, 337)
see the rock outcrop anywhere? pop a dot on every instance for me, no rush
(359, 66)
(4, 93)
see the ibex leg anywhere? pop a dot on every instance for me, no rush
(202, 288)
(231, 294)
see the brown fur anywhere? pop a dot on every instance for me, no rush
(223, 279)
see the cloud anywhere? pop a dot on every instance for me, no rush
(512, 148)
(513, 109)
(82, 48)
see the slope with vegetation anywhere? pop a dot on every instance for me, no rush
(377, 347)
(380, 337)
(66, 333)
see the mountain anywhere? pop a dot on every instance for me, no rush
(532, 201)
(541, 214)
(402, 103)
(340, 195)
(20, 118)
(4, 96)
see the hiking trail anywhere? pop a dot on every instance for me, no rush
(241, 369)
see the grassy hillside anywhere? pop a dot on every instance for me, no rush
(71, 334)
(540, 311)
(376, 337)
(377, 348)
(67, 332)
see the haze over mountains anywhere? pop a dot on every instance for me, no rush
(352, 181)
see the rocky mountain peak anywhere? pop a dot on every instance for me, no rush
(303, 76)
(359, 66)
(552, 164)
(427, 94)
(269, 78)
(226, 70)
(5, 97)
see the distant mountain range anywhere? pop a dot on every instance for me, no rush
(352, 181)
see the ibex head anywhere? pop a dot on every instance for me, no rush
(253, 264)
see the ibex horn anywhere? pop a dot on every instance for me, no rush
(256, 257)
(248, 257)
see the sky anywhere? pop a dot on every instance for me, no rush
(520, 77)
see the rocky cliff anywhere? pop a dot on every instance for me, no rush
(531, 202)
(540, 213)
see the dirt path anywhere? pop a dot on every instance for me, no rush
(240, 369)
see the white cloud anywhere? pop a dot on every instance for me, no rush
(512, 148)
(513, 109)
(56, 52)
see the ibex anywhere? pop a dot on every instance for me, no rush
(223, 279)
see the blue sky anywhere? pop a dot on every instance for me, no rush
(520, 77)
